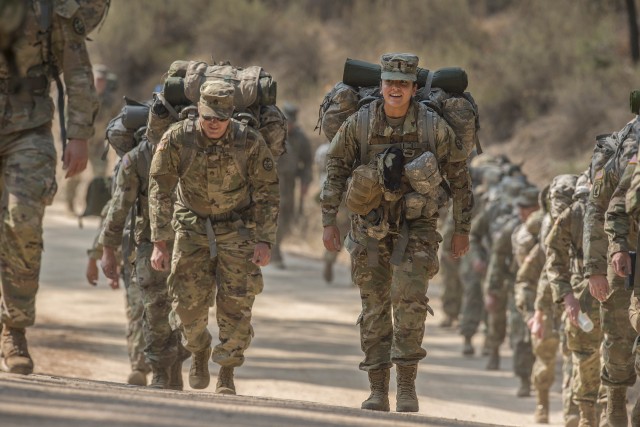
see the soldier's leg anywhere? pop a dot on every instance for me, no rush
(28, 172)
(543, 375)
(523, 357)
(135, 337)
(451, 288)
(569, 407)
(240, 282)
(472, 308)
(96, 150)
(285, 219)
(497, 323)
(70, 192)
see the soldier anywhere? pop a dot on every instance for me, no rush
(450, 277)
(604, 284)
(163, 350)
(294, 165)
(566, 278)
(53, 42)
(392, 272)
(225, 223)
(134, 307)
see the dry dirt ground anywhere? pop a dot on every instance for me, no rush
(301, 369)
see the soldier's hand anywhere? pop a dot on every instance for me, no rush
(331, 238)
(114, 284)
(92, 272)
(109, 264)
(459, 245)
(621, 263)
(75, 157)
(160, 257)
(572, 308)
(599, 287)
(536, 324)
(491, 303)
(261, 254)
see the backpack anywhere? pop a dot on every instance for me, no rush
(98, 194)
(561, 192)
(254, 98)
(458, 108)
(124, 130)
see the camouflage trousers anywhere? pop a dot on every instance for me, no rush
(98, 168)
(619, 336)
(472, 307)
(394, 298)
(497, 322)
(451, 284)
(162, 342)
(520, 340)
(28, 183)
(585, 355)
(286, 215)
(546, 352)
(134, 310)
(192, 286)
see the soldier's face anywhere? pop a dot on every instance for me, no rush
(397, 93)
(213, 127)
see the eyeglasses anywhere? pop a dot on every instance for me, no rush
(213, 119)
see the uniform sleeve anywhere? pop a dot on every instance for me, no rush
(632, 198)
(458, 176)
(500, 262)
(617, 223)
(341, 156)
(558, 265)
(82, 99)
(263, 177)
(595, 239)
(163, 178)
(124, 197)
(527, 278)
(479, 229)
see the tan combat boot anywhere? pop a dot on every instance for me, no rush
(378, 400)
(493, 364)
(175, 370)
(467, 347)
(525, 387)
(587, 415)
(199, 377)
(407, 400)
(225, 383)
(616, 413)
(160, 378)
(16, 358)
(137, 377)
(541, 415)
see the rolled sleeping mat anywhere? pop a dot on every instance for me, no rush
(359, 73)
(135, 116)
(173, 92)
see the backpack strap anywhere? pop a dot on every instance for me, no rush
(362, 126)
(239, 148)
(190, 149)
(426, 130)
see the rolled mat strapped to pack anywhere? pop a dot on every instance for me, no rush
(359, 73)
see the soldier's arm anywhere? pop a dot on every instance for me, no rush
(498, 263)
(558, 265)
(125, 195)
(163, 178)
(341, 156)
(617, 223)
(82, 99)
(456, 171)
(595, 239)
(265, 192)
(527, 279)
(632, 198)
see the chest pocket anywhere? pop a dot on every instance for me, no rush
(232, 178)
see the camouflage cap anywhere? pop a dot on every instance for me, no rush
(399, 66)
(216, 99)
(528, 198)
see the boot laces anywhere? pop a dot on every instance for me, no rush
(17, 343)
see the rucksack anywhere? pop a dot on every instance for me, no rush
(458, 108)
(124, 130)
(561, 192)
(255, 98)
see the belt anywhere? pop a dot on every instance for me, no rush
(34, 85)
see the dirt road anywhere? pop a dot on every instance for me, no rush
(306, 349)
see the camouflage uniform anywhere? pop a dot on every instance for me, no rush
(296, 164)
(162, 344)
(133, 308)
(618, 369)
(224, 207)
(450, 276)
(386, 339)
(566, 275)
(26, 144)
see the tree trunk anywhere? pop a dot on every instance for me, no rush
(633, 30)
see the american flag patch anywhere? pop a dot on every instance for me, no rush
(634, 159)
(599, 174)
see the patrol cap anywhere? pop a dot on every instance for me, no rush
(399, 66)
(216, 99)
(290, 111)
(528, 198)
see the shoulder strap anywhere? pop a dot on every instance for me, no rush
(144, 163)
(239, 149)
(426, 130)
(363, 133)
(189, 150)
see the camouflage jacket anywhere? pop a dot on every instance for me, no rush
(501, 271)
(620, 227)
(486, 225)
(214, 183)
(32, 106)
(297, 160)
(565, 270)
(605, 181)
(131, 191)
(344, 156)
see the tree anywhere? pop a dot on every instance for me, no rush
(633, 31)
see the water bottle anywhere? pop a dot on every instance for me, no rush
(584, 322)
